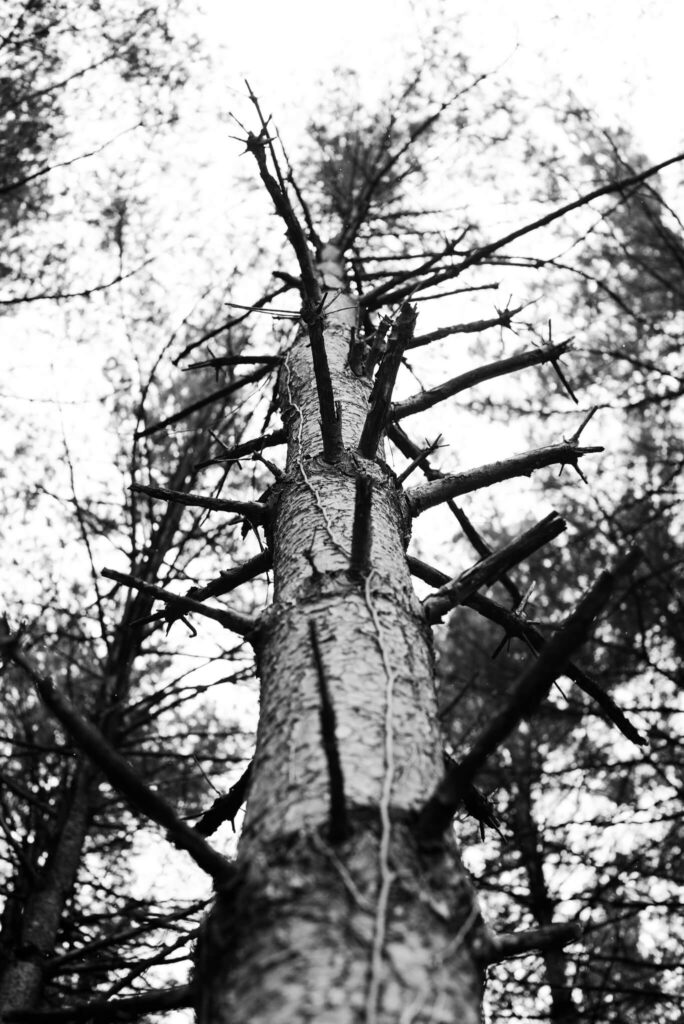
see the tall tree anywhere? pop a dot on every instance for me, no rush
(348, 900)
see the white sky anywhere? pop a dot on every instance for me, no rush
(621, 57)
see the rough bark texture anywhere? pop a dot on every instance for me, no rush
(371, 929)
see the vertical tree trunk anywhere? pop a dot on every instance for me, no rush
(368, 928)
(22, 977)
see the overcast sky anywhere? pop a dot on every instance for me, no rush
(621, 57)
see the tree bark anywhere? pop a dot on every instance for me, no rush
(371, 928)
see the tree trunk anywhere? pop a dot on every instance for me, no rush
(368, 927)
(22, 978)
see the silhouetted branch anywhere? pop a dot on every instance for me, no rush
(232, 322)
(122, 776)
(201, 403)
(531, 688)
(503, 319)
(516, 626)
(239, 623)
(228, 579)
(218, 361)
(224, 808)
(384, 295)
(331, 420)
(553, 936)
(490, 569)
(254, 511)
(498, 368)
(381, 397)
(436, 491)
(103, 1010)
(245, 448)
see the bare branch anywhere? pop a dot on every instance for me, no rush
(381, 397)
(201, 403)
(122, 776)
(225, 807)
(238, 623)
(254, 511)
(245, 448)
(104, 1010)
(499, 368)
(553, 936)
(217, 362)
(227, 580)
(383, 294)
(531, 688)
(436, 491)
(516, 626)
(503, 319)
(490, 569)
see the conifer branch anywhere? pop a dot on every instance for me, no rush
(104, 1010)
(490, 569)
(503, 319)
(436, 491)
(201, 403)
(553, 936)
(225, 807)
(381, 397)
(245, 448)
(122, 776)
(237, 622)
(390, 294)
(516, 626)
(218, 361)
(532, 686)
(499, 368)
(227, 580)
(362, 530)
(254, 511)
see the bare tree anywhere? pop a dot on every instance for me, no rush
(348, 900)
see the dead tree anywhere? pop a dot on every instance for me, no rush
(348, 901)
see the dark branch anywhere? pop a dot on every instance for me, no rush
(239, 623)
(224, 808)
(215, 396)
(339, 825)
(490, 569)
(229, 579)
(531, 688)
(254, 511)
(122, 776)
(218, 361)
(499, 368)
(245, 448)
(381, 397)
(102, 1010)
(436, 491)
(516, 626)
(553, 936)
(383, 294)
(331, 421)
(474, 327)
(362, 532)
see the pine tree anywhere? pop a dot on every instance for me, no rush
(348, 900)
